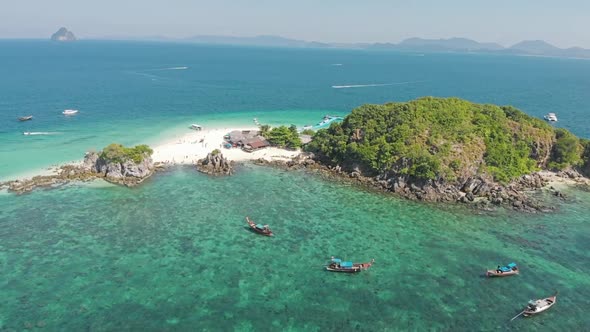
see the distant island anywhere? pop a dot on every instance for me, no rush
(450, 45)
(63, 35)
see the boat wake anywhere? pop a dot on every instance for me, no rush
(33, 133)
(176, 68)
(372, 85)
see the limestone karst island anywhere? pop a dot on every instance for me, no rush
(63, 35)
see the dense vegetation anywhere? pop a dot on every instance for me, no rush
(119, 153)
(436, 138)
(282, 136)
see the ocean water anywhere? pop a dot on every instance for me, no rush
(174, 254)
(143, 92)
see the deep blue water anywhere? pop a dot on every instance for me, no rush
(131, 92)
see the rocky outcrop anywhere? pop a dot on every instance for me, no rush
(477, 191)
(63, 35)
(215, 164)
(127, 173)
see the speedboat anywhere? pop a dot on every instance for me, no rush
(70, 112)
(551, 117)
(25, 118)
(196, 127)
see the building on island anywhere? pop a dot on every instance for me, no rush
(247, 140)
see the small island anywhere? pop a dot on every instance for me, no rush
(127, 166)
(63, 35)
(449, 149)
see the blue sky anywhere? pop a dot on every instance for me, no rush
(564, 23)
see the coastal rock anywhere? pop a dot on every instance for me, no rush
(215, 164)
(63, 35)
(126, 172)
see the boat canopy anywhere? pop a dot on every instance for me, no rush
(346, 264)
(511, 265)
(259, 226)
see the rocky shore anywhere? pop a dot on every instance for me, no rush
(215, 164)
(127, 173)
(479, 192)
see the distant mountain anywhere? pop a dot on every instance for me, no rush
(440, 45)
(542, 48)
(63, 35)
(458, 45)
(255, 41)
(535, 47)
(449, 44)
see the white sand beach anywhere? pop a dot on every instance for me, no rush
(195, 145)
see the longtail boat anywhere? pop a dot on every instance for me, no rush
(337, 265)
(25, 118)
(537, 306)
(258, 228)
(503, 271)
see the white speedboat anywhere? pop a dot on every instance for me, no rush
(196, 127)
(551, 117)
(70, 112)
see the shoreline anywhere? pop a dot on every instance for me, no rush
(185, 148)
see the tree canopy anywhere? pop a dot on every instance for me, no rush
(448, 138)
(119, 153)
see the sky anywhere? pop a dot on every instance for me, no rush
(564, 23)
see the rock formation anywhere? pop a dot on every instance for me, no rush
(215, 164)
(63, 35)
(123, 171)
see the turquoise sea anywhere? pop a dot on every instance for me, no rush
(174, 253)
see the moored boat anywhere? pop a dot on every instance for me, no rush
(25, 118)
(259, 228)
(196, 127)
(551, 117)
(337, 265)
(503, 271)
(537, 306)
(69, 112)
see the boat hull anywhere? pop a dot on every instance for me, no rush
(494, 273)
(258, 230)
(550, 302)
(356, 267)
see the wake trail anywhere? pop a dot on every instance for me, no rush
(373, 85)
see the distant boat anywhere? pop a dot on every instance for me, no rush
(25, 118)
(258, 228)
(503, 271)
(196, 127)
(337, 265)
(70, 112)
(551, 117)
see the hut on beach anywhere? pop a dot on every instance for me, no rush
(248, 140)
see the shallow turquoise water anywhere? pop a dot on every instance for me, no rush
(134, 92)
(174, 254)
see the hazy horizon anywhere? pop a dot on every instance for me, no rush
(503, 22)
